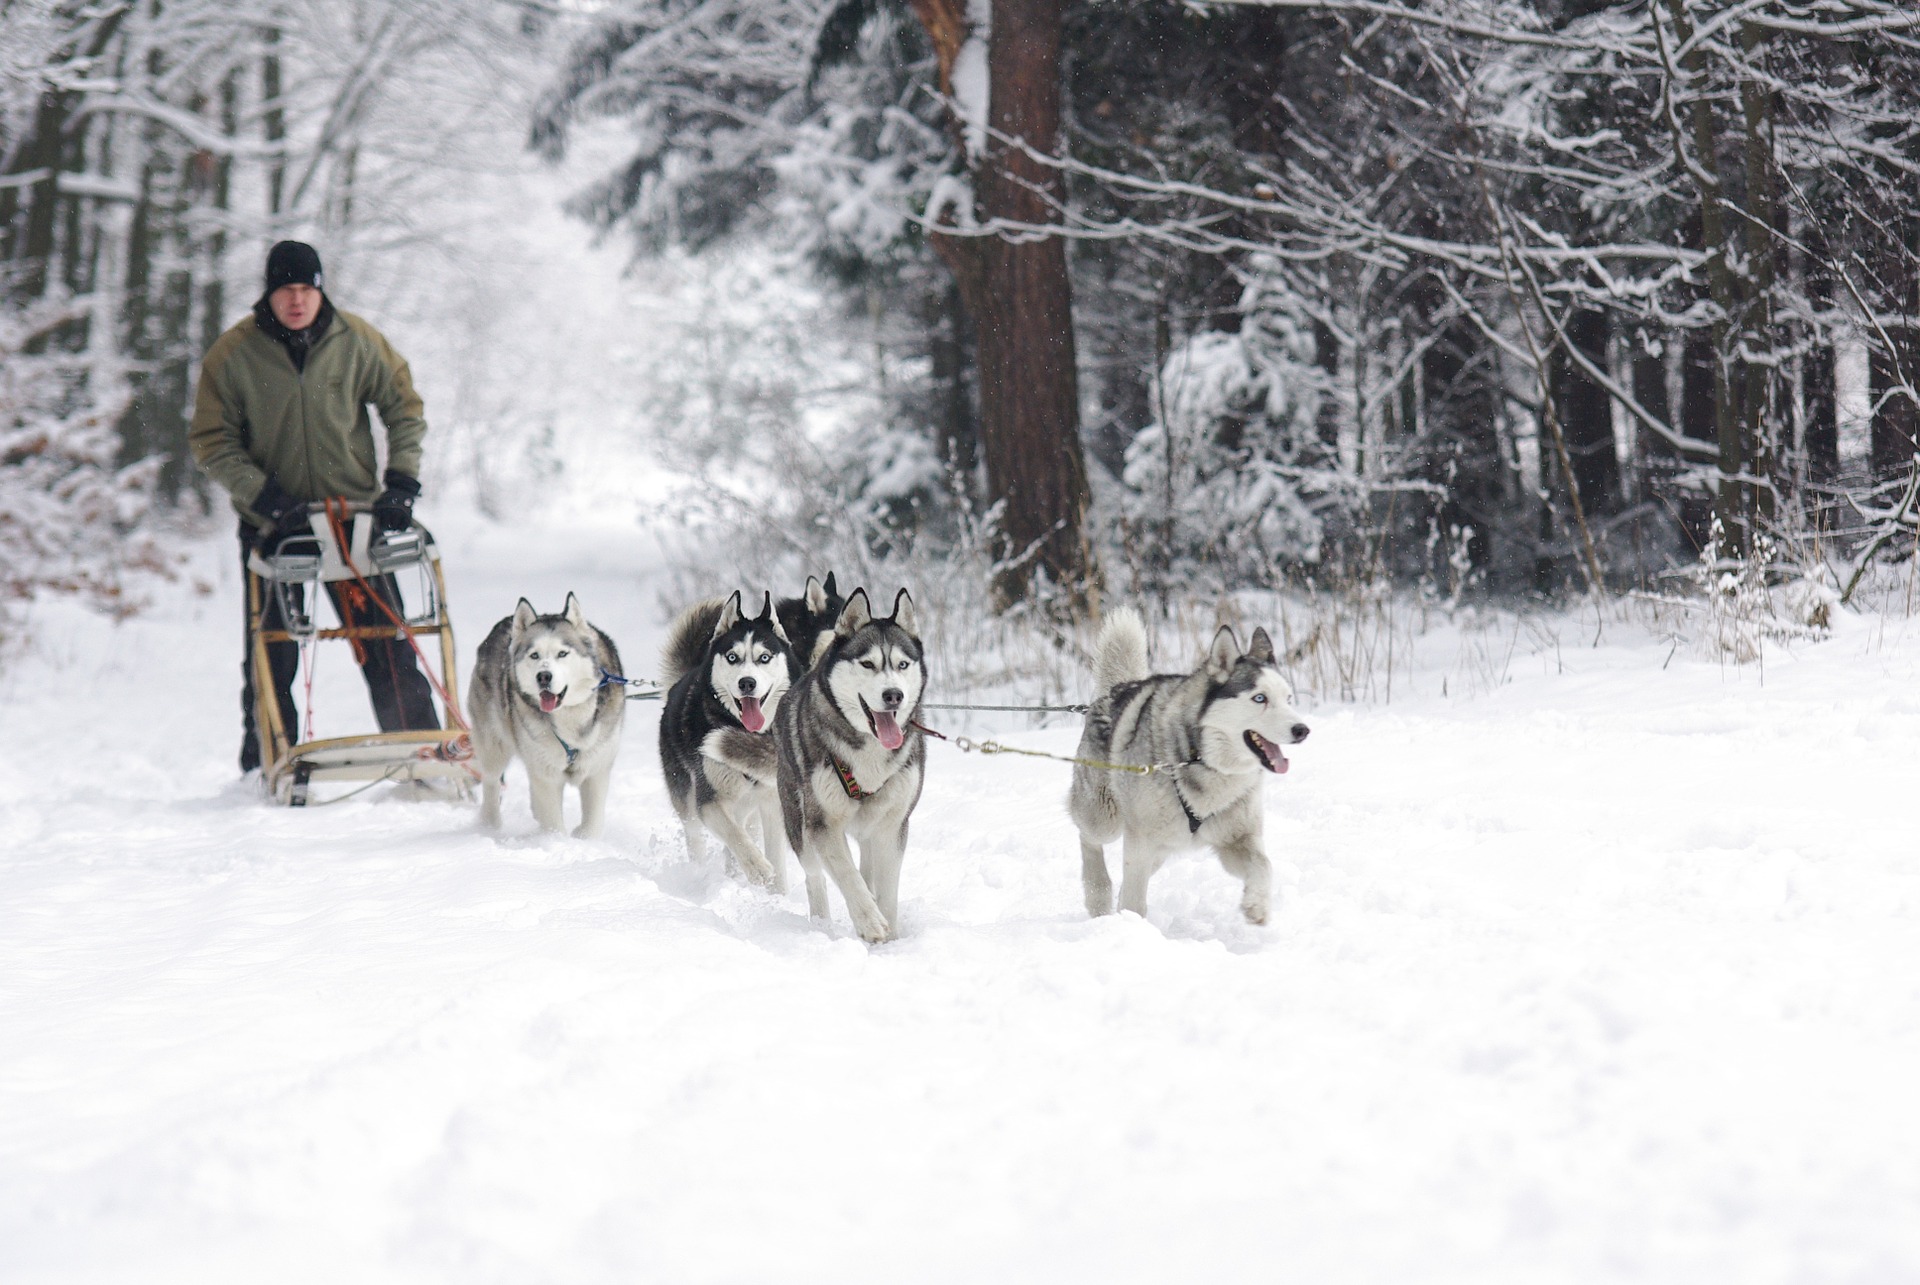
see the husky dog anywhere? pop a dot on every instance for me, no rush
(727, 671)
(1220, 727)
(541, 693)
(809, 619)
(849, 761)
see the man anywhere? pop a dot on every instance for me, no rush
(280, 420)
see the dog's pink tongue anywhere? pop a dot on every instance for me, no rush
(887, 728)
(549, 702)
(750, 716)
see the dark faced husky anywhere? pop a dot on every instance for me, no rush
(1220, 727)
(540, 694)
(849, 762)
(809, 619)
(727, 671)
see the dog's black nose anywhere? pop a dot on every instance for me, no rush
(892, 697)
(747, 686)
(1300, 731)
(544, 678)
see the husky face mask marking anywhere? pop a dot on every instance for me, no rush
(880, 671)
(553, 663)
(1250, 713)
(749, 671)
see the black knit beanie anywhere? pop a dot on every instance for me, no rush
(293, 263)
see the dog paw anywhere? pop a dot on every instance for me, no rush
(587, 832)
(1256, 912)
(874, 931)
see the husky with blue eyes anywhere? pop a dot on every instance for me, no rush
(1215, 735)
(848, 759)
(541, 693)
(728, 671)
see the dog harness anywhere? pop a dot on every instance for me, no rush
(847, 781)
(573, 751)
(1194, 819)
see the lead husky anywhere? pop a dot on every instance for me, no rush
(1219, 727)
(849, 761)
(540, 692)
(727, 671)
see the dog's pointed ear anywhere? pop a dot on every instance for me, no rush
(1220, 656)
(856, 615)
(772, 617)
(729, 615)
(1260, 650)
(766, 606)
(816, 594)
(575, 617)
(903, 612)
(523, 616)
(831, 589)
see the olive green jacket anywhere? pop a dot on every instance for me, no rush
(255, 414)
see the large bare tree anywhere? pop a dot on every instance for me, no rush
(1013, 282)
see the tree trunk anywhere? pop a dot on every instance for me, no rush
(273, 119)
(1820, 397)
(1654, 456)
(1586, 415)
(1759, 447)
(1896, 421)
(1466, 457)
(1015, 288)
(956, 432)
(1822, 416)
(1730, 498)
(42, 153)
(1893, 373)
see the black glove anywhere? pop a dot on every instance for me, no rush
(394, 509)
(288, 516)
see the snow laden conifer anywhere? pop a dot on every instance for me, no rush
(1233, 476)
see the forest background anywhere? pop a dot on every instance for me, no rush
(1067, 299)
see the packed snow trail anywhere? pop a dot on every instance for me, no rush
(1608, 975)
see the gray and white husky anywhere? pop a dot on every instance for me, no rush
(849, 761)
(1216, 733)
(727, 670)
(540, 693)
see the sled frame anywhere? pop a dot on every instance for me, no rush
(288, 769)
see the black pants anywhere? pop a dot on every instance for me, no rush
(402, 697)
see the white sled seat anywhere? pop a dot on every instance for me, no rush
(374, 552)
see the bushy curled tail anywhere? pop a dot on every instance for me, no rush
(687, 639)
(1120, 653)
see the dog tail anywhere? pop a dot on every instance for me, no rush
(687, 639)
(745, 752)
(1120, 653)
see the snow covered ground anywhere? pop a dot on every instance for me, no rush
(1610, 974)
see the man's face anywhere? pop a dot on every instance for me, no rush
(295, 306)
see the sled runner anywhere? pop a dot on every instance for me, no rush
(348, 551)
